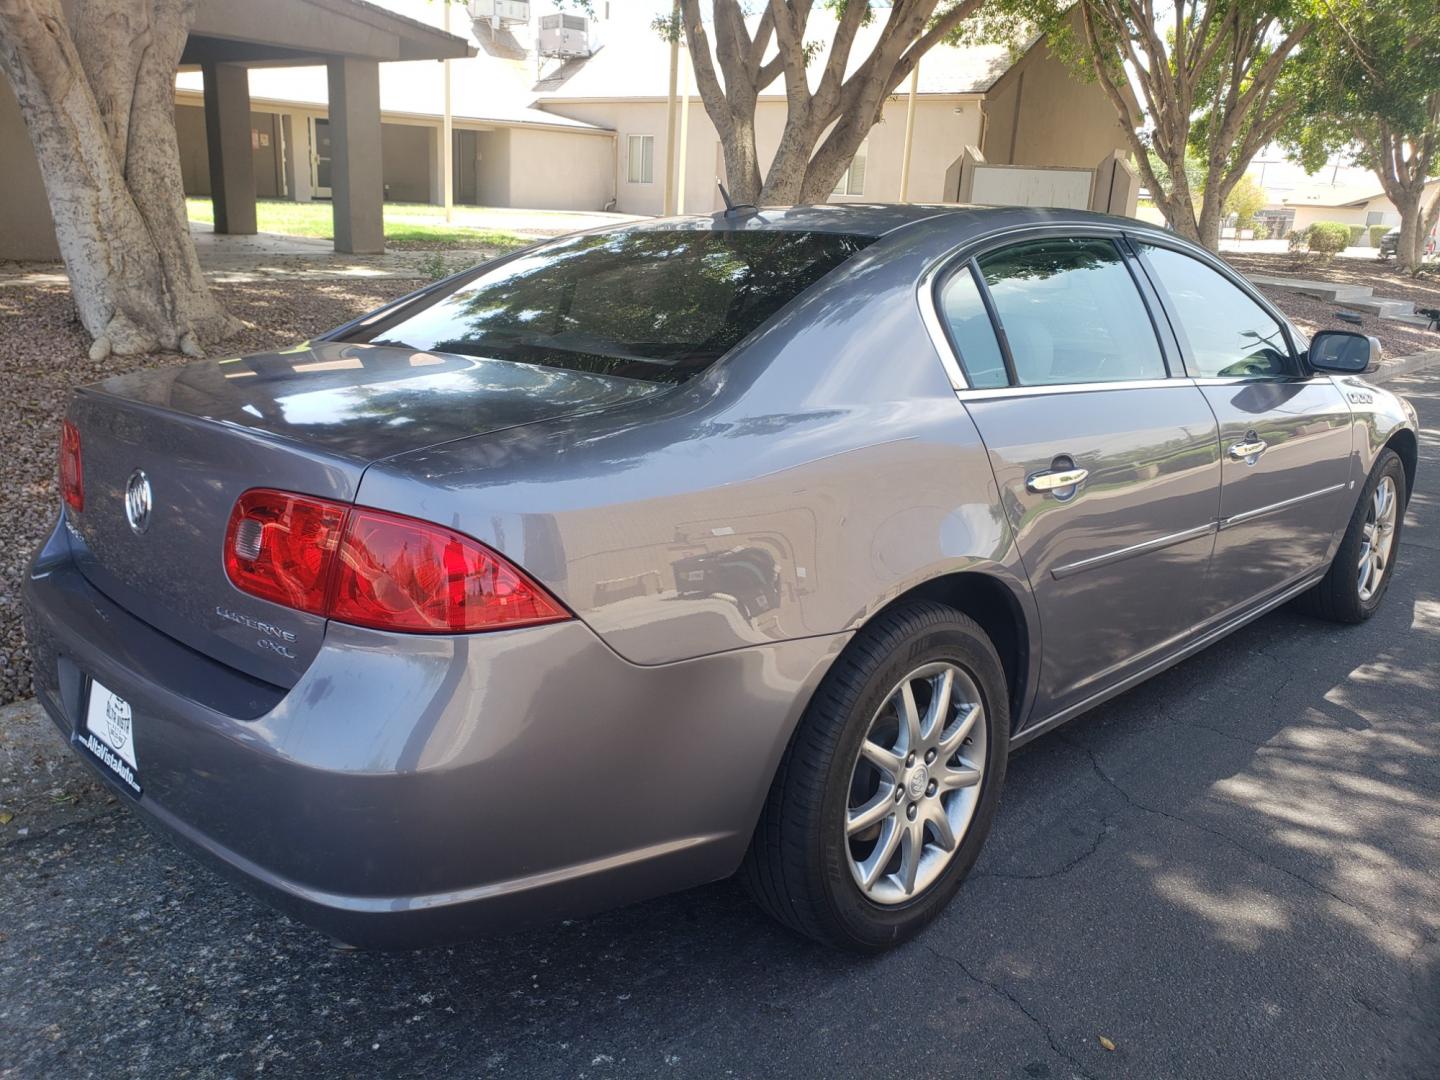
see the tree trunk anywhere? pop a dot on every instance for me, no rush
(837, 114)
(1407, 204)
(742, 162)
(1429, 219)
(1208, 228)
(98, 103)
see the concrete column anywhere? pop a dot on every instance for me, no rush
(437, 168)
(300, 151)
(356, 177)
(227, 137)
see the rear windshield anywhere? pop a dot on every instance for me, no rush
(648, 304)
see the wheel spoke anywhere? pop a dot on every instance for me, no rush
(872, 813)
(952, 742)
(940, 822)
(912, 846)
(952, 779)
(872, 867)
(887, 761)
(939, 710)
(909, 716)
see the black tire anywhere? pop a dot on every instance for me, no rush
(798, 867)
(1337, 596)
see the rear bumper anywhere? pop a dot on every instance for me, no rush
(410, 790)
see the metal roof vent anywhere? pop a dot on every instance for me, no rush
(565, 36)
(500, 14)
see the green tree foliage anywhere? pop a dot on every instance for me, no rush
(1247, 198)
(1369, 86)
(1211, 78)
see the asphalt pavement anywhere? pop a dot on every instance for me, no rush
(1231, 871)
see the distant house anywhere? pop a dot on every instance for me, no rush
(1354, 199)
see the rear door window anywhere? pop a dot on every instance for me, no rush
(1071, 312)
(972, 331)
(659, 305)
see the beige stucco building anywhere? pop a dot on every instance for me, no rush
(587, 132)
(233, 151)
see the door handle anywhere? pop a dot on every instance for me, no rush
(1242, 450)
(1055, 479)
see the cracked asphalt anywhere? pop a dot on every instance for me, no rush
(1231, 871)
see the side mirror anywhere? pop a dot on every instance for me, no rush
(1344, 353)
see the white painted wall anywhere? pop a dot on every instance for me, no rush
(943, 126)
(1014, 185)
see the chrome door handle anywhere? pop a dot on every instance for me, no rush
(1242, 450)
(1055, 479)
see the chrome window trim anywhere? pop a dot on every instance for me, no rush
(930, 315)
(1047, 389)
(1284, 504)
(1142, 548)
(1243, 380)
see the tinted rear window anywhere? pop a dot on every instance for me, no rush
(647, 304)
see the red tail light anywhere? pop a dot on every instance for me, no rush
(281, 547)
(72, 476)
(376, 569)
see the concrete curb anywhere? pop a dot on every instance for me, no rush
(1401, 366)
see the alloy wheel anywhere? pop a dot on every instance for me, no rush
(1377, 538)
(915, 783)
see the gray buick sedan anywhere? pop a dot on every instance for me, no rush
(645, 556)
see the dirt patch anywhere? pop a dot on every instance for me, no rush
(43, 359)
(1396, 338)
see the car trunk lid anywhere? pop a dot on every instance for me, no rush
(309, 420)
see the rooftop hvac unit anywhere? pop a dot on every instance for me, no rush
(564, 35)
(500, 13)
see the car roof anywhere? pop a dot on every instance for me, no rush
(878, 219)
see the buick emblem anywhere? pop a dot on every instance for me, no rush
(138, 501)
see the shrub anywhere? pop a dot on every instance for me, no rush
(1376, 232)
(435, 266)
(1356, 232)
(1327, 237)
(1262, 231)
(1297, 240)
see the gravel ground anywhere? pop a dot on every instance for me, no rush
(42, 360)
(1397, 339)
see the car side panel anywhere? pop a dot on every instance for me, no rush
(1118, 567)
(1281, 509)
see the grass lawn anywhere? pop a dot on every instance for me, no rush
(408, 226)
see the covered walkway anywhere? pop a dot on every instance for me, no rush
(349, 38)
